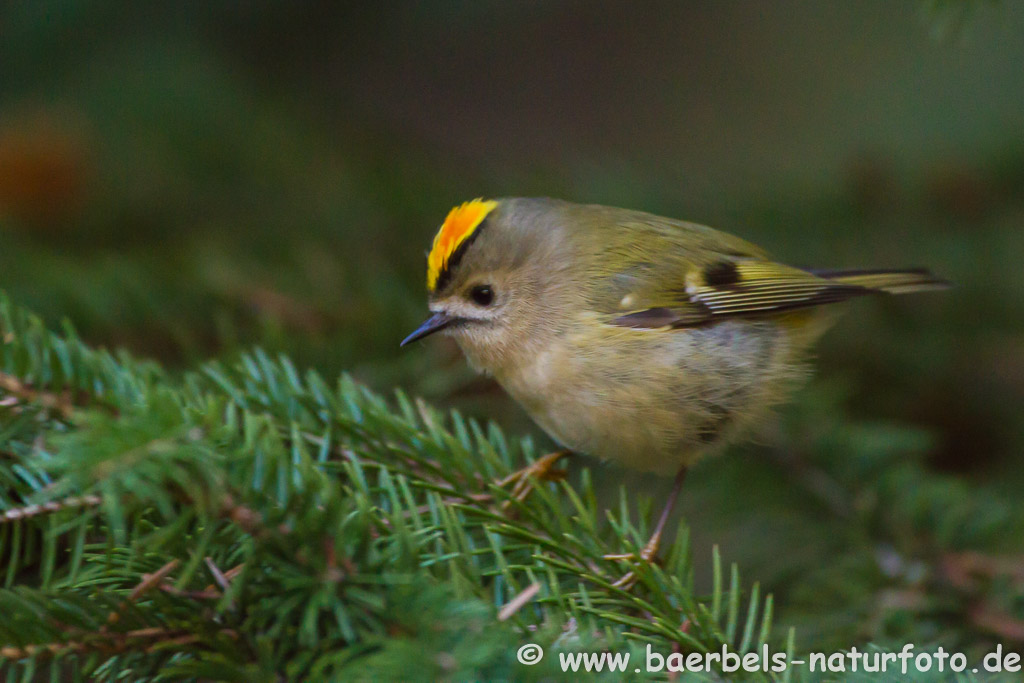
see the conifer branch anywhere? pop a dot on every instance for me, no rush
(344, 517)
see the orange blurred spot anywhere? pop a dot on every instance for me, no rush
(43, 171)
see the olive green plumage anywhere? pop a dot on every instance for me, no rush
(636, 338)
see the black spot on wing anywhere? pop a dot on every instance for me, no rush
(721, 274)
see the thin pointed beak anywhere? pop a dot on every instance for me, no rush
(434, 323)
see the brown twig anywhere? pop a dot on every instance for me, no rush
(218, 575)
(242, 515)
(149, 581)
(998, 622)
(518, 602)
(208, 594)
(15, 387)
(964, 569)
(36, 509)
(109, 642)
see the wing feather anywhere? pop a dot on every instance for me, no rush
(671, 274)
(752, 288)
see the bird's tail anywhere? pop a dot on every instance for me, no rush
(896, 281)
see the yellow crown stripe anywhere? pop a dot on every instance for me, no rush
(456, 229)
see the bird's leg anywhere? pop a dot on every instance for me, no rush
(523, 480)
(650, 551)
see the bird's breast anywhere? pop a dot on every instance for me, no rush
(653, 400)
(611, 401)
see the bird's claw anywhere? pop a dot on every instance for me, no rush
(648, 554)
(523, 480)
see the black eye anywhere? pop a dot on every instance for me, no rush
(482, 295)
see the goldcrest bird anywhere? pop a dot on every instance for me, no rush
(639, 339)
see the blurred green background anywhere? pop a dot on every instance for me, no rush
(186, 180)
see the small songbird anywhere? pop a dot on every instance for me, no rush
(635, 338)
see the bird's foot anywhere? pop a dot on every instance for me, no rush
(647, 554)
(650, 551)
(524, 480)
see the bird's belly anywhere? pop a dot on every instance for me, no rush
(654, 400)
(627, 432)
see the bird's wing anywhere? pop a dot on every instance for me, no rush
(670, 274)
(729, 288)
